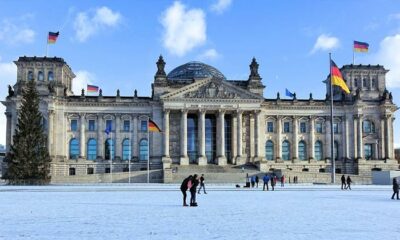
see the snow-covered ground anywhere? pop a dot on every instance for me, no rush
(156, 212)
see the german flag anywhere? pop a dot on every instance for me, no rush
(337, 79)
(361, 46)
(52, 38)
(153, 127)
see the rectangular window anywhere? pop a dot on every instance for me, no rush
(303, 128)
(91, 125)
(286, 127)
(90, 170)
(143, 126)
(270, 127)
(318, 127)
(74, 125)
(71, 171)
(336, 127)
(126, 125)
(368, 151)
(109, 124)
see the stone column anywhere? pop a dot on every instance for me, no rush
(184, 160)
(135, 132)
(8, 131)
(328, 144)
(50, 132)
(279, 139)
(252, 137)
(221, 159)
(100, 137)
(295, 140)
(376, 151)
(166, 158)
(234, 138)
(118, 141)
(388, 141)
(355, 137)
(82, 139)
(345, 134)
(312, 138)
(260, 152)
(239, 158)
(360, 139)
(202, 160)
(382, 140)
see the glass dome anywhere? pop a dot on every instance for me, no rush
(192, 70)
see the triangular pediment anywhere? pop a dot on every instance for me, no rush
(211, 88)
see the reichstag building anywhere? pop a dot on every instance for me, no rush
(207, 119)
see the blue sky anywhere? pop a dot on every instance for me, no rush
(115, 44)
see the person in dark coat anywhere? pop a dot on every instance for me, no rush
(265, 180)
(343, 179)
(273, 183)
(283, 181)
(193, 188)
(348, 181)
(184, 188)
(257, 180)
(395, 188)
(202, 184)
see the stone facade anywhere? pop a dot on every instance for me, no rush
(207, 119)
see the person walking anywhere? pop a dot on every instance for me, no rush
(283, 181)
(273, 183)
(265, 180)
(253, 181)
(343, 179)
(184, 187)
(195, 182)
(348, 181)
(257, 180)
(202, 184)
(395, 189)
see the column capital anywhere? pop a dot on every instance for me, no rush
(166, 111)
(202, 110)
(49, 112)
(257, 112)
(81, 114)
(221, 111)
(184, 111)
(239, 112)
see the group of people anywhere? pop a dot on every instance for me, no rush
(273, 180)
(346, 182)
(190, 183)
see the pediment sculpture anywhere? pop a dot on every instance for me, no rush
(212, 90)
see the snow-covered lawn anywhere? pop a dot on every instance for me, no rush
(156, 212)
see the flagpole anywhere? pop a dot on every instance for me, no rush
(332, 136)
(148, 152)
(47, 45)
(353, 57)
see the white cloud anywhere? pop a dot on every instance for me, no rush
(210, 54)
(8, 76)
(183, 29)
(220, 6)
(388, 55)
(325, 42)
(89, 23)
(82, 79)
(15, 32)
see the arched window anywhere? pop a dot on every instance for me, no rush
(302, 150)
(73, 149)
(368, 126)
(143, 150)
(91, 149)
(318, 150)
(355, 82)
(286, 150)
(126, 149)
(373, 83)
(336, 150)
(109, 149)
(40, 76)
(269, 150)
(30, 75)
(50, 76)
